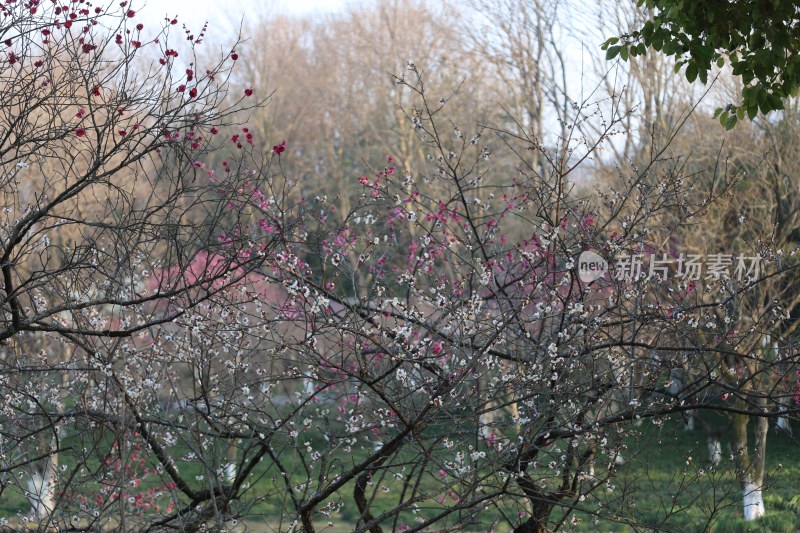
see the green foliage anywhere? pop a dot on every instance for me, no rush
(759, 39)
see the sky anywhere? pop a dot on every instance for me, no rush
(229, 13)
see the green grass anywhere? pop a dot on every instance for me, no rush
(672, 487)
(665, 485)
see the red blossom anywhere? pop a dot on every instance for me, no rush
(80, 132)
(131, 13)
(248, 91)
(278, 149)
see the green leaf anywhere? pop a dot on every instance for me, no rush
(658, 42)
(691, 71)
(740, 112)
(723, 118)
(703, 76)
(703, 53)
(774, 101)
(720, 62)
(623, 54)
(612, 52)
(752, 111)
(730, 122)
(717, 112)
(647, 31)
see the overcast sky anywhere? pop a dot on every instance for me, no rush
(224, 13)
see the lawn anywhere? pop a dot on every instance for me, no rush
(666, 484)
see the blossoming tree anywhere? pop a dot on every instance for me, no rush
(106, 131)
(183, 349)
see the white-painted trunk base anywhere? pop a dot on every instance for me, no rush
(308, 388)
(689, 425)
(753, 502)
(41, 494)
(783, 423)
(486, 421)
(230, 472)
(714, 451)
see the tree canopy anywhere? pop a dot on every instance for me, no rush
(757, 38)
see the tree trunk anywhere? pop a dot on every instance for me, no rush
(750, 473)
(531, 526)
(42, 490)
(541, 505)
(540, 516)
(714, 450)
(753, 501)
